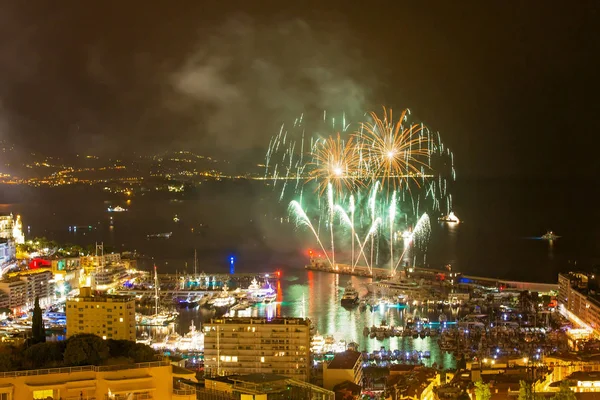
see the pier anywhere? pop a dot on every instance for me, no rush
(346, 269)
(384, 273)
(185, 286)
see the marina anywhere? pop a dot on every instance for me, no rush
(406, 320)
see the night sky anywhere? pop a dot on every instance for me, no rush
(513, 88)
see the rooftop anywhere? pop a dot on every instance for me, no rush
(101, 297)
(258, 378)
(345, 360)
(259, 321)
(224, 379)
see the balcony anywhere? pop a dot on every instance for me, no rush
(85, 368)
(132, 396)
(183, 391)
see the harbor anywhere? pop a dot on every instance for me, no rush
(415, 319)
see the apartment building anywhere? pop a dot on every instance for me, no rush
(576, 297)
(107, 316)
(143, 381)
(235, 346)
(23, 287)
(40, 283)
(6, 226)
(16, 289)
(99, 261)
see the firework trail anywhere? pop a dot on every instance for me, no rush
(367, 172)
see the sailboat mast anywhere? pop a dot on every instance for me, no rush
(195, 265)
(155, 291)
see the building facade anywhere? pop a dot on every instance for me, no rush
(122, 382)
(107, 316)
(23, 287)
(11, 233)
(257, 345)
(7, 251)
(6, 226)
(578, 301)
(346, 366)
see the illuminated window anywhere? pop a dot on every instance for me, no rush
(43, 394)
(120, 319)
(262, 359)
(234, 358)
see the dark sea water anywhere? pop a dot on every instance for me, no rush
(498, 237)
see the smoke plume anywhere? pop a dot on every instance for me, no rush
(247, 78)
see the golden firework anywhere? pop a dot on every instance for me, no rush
(335, 162)
(395, 151)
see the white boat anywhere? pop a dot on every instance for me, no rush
(192, 341)
(144, 339)
(451, 218)
(259, 294)
(399, 288)
(164, 235)
(317, 344)
(350, 297)
(162, 318)
(223, 300)
(116, 209)
(254, 286)
(550, 236)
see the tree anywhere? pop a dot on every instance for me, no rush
(482, 391)
(137, 352)
(44, 355)
(6, 359)
(525, 392)
(86, 349)
(38, 330)
(565, 392)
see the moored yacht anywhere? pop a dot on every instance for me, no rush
(223, 301)
(259, 294)
(350, 297)
(398, 287)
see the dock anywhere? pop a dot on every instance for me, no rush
(383, 273)
(347, 269)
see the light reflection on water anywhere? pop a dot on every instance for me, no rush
(322, 293)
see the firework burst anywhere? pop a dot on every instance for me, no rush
(335, 162)
(367, 189)
(395, 151)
